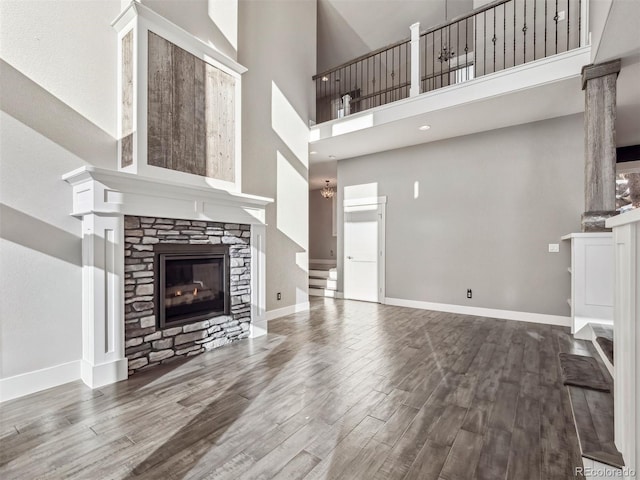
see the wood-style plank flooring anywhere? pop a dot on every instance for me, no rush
(349, 390)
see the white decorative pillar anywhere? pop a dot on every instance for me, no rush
(626, 335)
(258, 278)
(415, 60)
(103, 360)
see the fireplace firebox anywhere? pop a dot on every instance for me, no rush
(192, 283)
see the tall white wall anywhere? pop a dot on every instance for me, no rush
(479, 212)
(58, 112)
(277, 44)
(58, 107)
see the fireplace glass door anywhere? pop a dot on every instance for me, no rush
(192, 287)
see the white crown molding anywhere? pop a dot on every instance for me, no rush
(188, 41)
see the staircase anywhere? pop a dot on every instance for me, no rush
(593, 413)
(323, 278)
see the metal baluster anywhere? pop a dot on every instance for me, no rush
(524, 34)
(568, 18)
(494, 39)
(546, 20)
(556, 20)
(514, 33)
(484, 42)
(579, 23)
(535, 6)
(504, 35)
(433, 61)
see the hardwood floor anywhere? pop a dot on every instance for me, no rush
(348, 390)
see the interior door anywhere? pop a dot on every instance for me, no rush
(362, 252)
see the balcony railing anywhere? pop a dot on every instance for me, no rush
(503, 34)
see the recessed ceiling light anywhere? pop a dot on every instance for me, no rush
(313, 152)
(424, 127)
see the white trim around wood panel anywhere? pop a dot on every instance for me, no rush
(31, 382)
(483, 312)
(284, 311)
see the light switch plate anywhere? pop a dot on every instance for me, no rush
(554, 247)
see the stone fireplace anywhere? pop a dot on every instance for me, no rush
(173, 253)
(187, 287)
(207, 238)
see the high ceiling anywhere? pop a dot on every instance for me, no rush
(350, 28)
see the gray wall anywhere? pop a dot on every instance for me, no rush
(276, 43)
(322, 243)
(488, 206)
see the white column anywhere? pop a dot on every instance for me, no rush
(626, 335)
(103, 360)
(415, 60)
(258, 281)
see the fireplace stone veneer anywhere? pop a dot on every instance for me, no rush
(146, 344)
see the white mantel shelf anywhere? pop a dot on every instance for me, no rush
(97, 190)
(102, 198)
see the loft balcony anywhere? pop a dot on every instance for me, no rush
(509, 62)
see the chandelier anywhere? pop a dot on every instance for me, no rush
(445, 54)
(327, 191)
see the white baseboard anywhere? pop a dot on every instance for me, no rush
(483, 312)
(96, 376)
(32, 382)
(290, 310)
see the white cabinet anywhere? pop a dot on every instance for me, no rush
(592, 265)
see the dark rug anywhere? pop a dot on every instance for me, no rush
(606, 344)
(582, 371)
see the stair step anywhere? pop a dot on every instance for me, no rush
(323, 292)
(606, 344)
(316, 264)
(592, 412)
(323, 283)
(593, 418)
(332, 273)
(590, 332)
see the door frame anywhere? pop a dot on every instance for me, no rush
(381, 204)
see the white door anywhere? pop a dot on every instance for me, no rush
(364, 252)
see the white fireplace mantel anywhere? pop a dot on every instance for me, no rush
(101, 198)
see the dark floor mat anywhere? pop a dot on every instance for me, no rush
(606, 344)
(582, 371)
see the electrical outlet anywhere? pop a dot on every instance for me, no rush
(469, 293)
(554, 247)
(279, 296)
